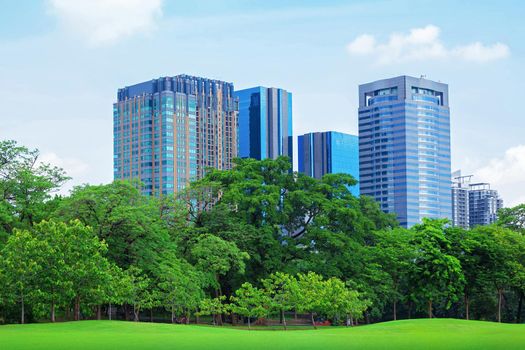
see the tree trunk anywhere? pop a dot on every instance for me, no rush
(467, 307)
(151, 315)
(109, 311)
(395, 309)
(52, 311)
(172, 315)
(187, 317)
(520, 307)
(22, 311)
(313, 321)
(136, 311)
(196, 319)
(77, 308)
(99, 312)
(295, 314)
(500, 297)
(430, 309)
(249, 324)
(283, 317)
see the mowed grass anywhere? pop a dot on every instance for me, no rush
(409, 334)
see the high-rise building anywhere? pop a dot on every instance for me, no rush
(460, 199)
(404, 147)
(330, 152)
(484, 204)
(265, 123)
(167, 131)
(473, 204)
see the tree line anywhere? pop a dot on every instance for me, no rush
(256, 242)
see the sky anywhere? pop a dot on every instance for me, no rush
(62, 61)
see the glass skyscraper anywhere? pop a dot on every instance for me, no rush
(404, 147)
(167, 131)
(330, 152)
(265, 123)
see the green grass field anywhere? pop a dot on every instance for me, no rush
(410, 334)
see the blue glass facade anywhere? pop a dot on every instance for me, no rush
(265, 123)
(404, 147)
(329, 152)
(168, 130)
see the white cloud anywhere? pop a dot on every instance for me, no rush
(423, 44)
(104, 22)
(507, 175)
(72, 166)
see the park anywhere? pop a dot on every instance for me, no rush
(432, 334)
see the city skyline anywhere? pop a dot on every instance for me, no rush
(73, 72)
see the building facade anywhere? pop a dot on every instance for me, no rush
(330, 152)
(460, 200)
(265, 123)
(484, 204)
(473, 204)
(404, 147)
(167, 131)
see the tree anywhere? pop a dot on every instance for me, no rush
(56, 287)
(281, 290)
(134, 227)
(513, 218)
(393, 252)
(309, 294)
(337, 301)
(89, 271)
(215, 257)
(249, 301)
(436, 275)
(501, 251)
(180, 287)
(26, 187)
(21, 264)
(140, 292)
(213, 307)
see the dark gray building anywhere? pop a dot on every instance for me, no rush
(404, 147)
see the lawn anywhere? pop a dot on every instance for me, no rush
(410, 334)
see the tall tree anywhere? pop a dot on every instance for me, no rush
(216, 257)
(21, 263)
(436, 275)
(26, 187)
(393, 252)
(135, 227)
(513, 218)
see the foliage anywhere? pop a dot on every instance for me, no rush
(249, 301)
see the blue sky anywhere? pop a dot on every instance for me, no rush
(61, 62)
